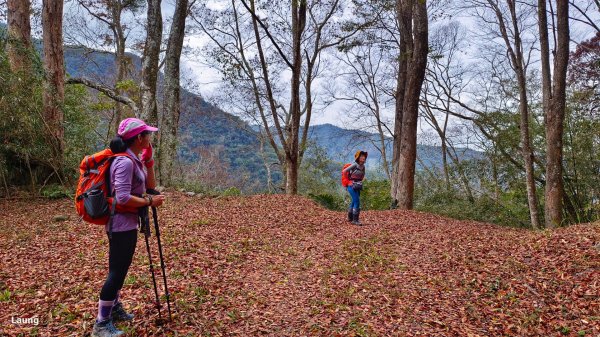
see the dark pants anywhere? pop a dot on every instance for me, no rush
(120, 255)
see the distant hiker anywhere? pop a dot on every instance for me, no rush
(130, 177)
(352, 177)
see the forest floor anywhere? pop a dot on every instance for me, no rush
(281, 265)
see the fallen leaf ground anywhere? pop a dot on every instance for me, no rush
(283, 266)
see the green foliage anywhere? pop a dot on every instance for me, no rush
(231, 192)
(5, 295)
(329, 201)
(318, 175)
(434, 196)
(56, 191)
(375, 195)
(25, 151)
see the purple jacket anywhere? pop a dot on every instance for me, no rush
(127, 178)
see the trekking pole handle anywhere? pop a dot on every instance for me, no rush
(152, 191)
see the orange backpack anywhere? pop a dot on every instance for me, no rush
(346, 176)
(93, 199)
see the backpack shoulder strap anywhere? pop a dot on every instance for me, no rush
(110, 190)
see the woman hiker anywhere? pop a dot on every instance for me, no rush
(130, 177)
(356, 174)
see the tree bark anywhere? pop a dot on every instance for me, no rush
(515, 52)
(172, 105)
(149, 109)
(19, 45)
(417, 49)
(292, 154)
(120, 59)
(54, 85)
(554, 97)
(403, 15)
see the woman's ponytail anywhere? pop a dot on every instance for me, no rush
(118, 145)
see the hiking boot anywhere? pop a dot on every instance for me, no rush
(350, 215)
(106, 329)
(355, 217)
(119, 314)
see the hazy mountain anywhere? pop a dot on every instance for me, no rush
(205, 127)
(341, 144)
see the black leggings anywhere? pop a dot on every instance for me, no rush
(120, 255)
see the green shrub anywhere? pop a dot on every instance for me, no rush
(231, 192)
(329, 201)
(375, 195)
(56, 192)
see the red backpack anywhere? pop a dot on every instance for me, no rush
(93, 198)
(346, 176)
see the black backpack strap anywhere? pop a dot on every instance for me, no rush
(350, 172)
(112, 215)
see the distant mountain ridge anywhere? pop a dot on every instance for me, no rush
(204, 126)
(341, 144)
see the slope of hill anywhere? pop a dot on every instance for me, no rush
(280, 265)
(203, 127)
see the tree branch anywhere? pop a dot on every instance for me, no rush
(105, 90)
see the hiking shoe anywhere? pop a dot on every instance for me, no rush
(119, 314)
(350, 215)
(355, 218)
(106, 329)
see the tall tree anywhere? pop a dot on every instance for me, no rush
(368, 84)
(149, 110)
(518, 60)
(54, 85)
(110, 13)
(443, 81)
(19, 35)
(554, 98)
(172, 105)
(255, 52)
(290, 142)
(413, 29)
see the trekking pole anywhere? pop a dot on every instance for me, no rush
(160, 253)
(145, 228)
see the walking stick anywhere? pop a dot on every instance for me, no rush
(160, 253)
(145, 228)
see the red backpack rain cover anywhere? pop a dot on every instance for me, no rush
(94, 175)
(345, 176)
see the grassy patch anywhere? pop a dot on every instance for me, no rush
(362, 255)
(359, 328)
(201, 222)
(5, 295)
(201, 294)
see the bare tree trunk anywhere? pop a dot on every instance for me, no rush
(292, 154)
(172, 104)
(385, 163)
(149, 109)
(120, 38)
(462, 175)
(445, 161)
(54, 85)
(554, 107)
(403, 15)
(417, 31)
(515, 52)
(19, 35)
(528, 155)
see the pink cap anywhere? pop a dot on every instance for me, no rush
(131, 127)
